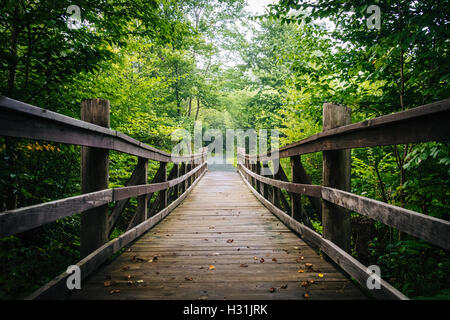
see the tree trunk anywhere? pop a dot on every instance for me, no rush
(198, 108)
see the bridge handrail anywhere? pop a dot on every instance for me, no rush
(21, 120)
(421, 124)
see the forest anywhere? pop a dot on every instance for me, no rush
(166, 64)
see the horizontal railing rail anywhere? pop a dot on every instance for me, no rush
(21, 120)
(420, 124)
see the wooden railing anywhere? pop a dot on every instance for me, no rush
(421, 124)
(21, 120)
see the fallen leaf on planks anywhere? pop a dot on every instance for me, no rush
(188, 278)
(109, 283)
(262, 260)
(306, 296)
(211, 267)
(114, 291)
(230, 240)
(301, 271)
(272, 290)
(274, 259)
(284, 286)
(126, 268)
(308, 265)
(243, 265)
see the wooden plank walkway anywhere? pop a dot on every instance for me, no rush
(220, 243)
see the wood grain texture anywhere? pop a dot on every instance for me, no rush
(22, 120)
(57, 289)
(219, 224)
(339, 256)
(396, 128)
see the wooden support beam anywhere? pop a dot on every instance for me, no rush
(303, 177)
(258, 171)
(336, 174)
(176, 188)
(182, 172)
(265, 187)
(94, 177)
(141, 209)
(163, 193)
(122, 204)
(296, 200)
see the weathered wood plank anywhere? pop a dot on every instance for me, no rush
(397, 128)
(234, 238)
(57, 288)
(18, 119)
(339, 256)
(431, 229)
(23, 219)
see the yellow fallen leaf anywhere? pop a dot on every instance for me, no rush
(320, 275)
(301, 271)
(211, 267)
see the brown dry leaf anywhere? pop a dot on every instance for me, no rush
(311, 281)
(230, 240)
(300, 259)
(243, 265)
(284, 286)
(188, 278)
(272, 290)
(308, 265)
(262, 260)
(109, 283)
(274, 259)
(114, 291)
(301, 271)
(306, 296)
(238, 249)
(304, 284)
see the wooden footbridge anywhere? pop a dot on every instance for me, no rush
(229, 235)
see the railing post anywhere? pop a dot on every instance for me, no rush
(296, 200)
(258, 171)
(141, 209)
(188, 180)
(336, 174)
(183, 172)
(276, 191)
(176, 188)
(94, 177)
(265, 187)
(163, 194)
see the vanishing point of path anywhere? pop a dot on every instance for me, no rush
(219, 243)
